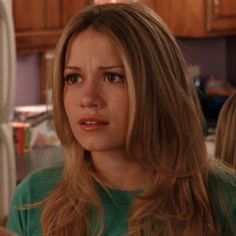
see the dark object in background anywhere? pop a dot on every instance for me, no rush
(212, 94)
(211, 106)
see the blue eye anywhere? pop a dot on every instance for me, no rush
(114, 77)
(73, 79)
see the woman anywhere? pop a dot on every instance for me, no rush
(225, 146)
(129, 120)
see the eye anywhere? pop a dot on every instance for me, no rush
(114, 78)
(73, 79)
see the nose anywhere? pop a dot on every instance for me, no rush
(91, 96)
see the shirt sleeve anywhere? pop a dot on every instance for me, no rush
(223, 189)
(17, 220)
(24, 218)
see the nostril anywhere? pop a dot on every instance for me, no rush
(89, 104)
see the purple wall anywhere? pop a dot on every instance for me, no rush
(27, 80)
(209, 53)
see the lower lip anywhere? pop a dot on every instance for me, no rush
(93, 127)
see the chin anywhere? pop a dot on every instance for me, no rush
(102, 148)
(94, 147)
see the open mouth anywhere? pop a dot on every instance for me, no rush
(93, 124)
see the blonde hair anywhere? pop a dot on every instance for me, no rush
(164, 121)
(225, 145)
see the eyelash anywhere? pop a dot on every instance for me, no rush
(72, 79)
(109, 77)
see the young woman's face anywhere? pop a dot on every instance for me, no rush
(95, 92)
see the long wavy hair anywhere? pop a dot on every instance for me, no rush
(165, 121)
(225, 145)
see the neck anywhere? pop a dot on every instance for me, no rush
(115, 171)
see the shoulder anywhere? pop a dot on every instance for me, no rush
(23, 218)
(39, 184)
(222, 188)
(222, 182)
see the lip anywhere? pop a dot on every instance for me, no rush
(90, 123)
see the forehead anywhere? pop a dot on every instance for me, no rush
(93, 44)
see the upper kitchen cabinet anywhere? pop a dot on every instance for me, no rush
(197, 18)
(38, 24)
(221, 16)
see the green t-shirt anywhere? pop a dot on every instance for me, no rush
(39, 185)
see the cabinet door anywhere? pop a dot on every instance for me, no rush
(38, 24)
(183, 17)
(221, 15)
(35, 15)
(69, 8)
(197, 18)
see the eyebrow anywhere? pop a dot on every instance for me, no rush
(100, 67)
(72, 67)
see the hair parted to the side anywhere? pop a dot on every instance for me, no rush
(225, 145)
(165, 124)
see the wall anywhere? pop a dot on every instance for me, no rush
(212, 54)
(209, 53)
(27, 80)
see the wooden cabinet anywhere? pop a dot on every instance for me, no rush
(38, 24)
(221, 16)
(197, 18)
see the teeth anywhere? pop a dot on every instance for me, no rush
(90, 122)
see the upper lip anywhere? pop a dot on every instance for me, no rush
(92, 119)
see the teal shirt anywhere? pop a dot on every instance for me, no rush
(40, 184)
